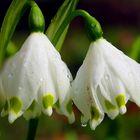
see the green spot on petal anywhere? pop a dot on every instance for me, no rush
(15, 104)
(95, 113)
(32, 106)
(109, 105)
(120, 99)
(69, 107)
(47, 101)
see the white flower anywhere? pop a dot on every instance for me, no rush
(34, 79)
(105, 82)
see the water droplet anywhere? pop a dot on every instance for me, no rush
(83, 124)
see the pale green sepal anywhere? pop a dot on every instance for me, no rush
(36, 18)
(96, 118)
(120, 99)
(94, 123)
(13, 116)
(15, 104)
(47, 102)
(95, 113)
(48, 111)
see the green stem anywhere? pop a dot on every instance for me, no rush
(12, 17)
(33, 123)
(94, 27)
(65, 23)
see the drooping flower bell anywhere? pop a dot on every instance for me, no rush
(35, 76)
(105, 82)
(34, 79)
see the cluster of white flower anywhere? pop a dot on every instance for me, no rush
(35, 80)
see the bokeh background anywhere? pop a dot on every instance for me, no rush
(120, 20)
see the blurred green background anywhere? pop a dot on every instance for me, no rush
(120, 20)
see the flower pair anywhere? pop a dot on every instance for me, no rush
(36, 79)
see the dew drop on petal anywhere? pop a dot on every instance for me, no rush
(83, 124)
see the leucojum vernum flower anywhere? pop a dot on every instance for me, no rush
(31, 80)
(105, 82)
(35, 79)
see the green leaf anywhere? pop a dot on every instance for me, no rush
(59, 25)
(12, 17)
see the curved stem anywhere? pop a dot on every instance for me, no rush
(66, 22)
(33, 123)
(94, 27)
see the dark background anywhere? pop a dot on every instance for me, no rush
(120, 20)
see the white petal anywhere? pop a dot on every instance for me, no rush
(58, 79)
(85, 98)
(25, 69)
(123, 67)
(13, 116)
(107, 73)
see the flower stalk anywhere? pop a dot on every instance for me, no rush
(33, 123)
(93, 27)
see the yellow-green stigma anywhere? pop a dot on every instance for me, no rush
(120, 99)
(15, 104)
(47, 102)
